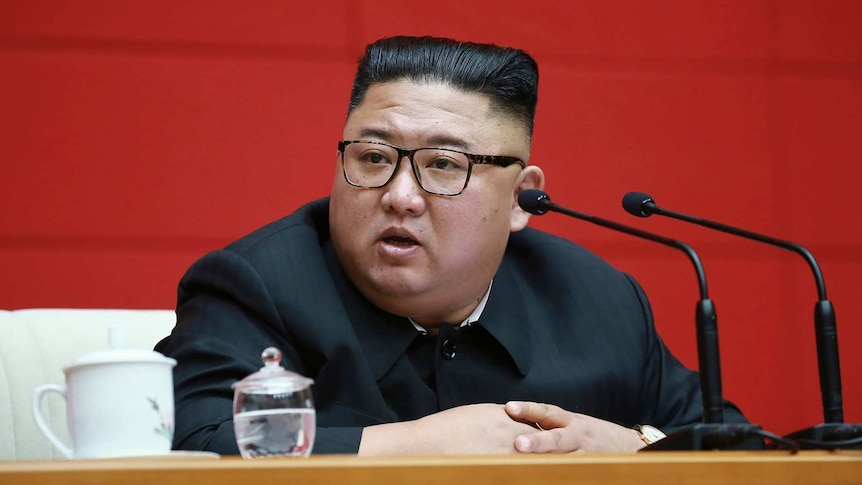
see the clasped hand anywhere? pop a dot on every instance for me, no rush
(565, 432)
(517, 426)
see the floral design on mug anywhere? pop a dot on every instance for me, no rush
(166, 421)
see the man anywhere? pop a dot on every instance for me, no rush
(431, 319)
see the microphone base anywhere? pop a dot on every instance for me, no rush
(713, 436)
(825, 434)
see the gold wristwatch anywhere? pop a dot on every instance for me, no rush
(649, 434)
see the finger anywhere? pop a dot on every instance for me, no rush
(543, 416)
(559, 440)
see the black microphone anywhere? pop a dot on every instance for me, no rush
(538, 203)
(714, 434)
(642, 205)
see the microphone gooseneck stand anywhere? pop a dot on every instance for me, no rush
(713, 433)
(833, 432)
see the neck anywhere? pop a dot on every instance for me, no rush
(467, 315)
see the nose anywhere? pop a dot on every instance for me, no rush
(403, 194)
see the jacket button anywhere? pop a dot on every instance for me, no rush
(448, 349)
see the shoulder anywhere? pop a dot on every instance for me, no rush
(276, 252)
(544, 261)
(541, 250)
(308, 225)
(276, 270)
(574, 288)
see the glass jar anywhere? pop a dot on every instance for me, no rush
(273, 411)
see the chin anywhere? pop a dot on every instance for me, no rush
(395, 292)
(398, 288)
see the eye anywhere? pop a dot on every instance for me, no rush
(374, 157)
(445, 163)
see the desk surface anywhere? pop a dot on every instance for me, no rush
(766, 467)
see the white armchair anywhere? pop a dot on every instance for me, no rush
(35, 344)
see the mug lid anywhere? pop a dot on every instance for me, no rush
(272, 378)
(116, 354)
(120, 356)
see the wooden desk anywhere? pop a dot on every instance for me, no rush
(768, 467)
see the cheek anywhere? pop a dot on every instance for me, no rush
(352, 200)
(473, 235)
(349, 213)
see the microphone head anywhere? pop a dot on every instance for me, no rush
(638, 204)
(534, 201)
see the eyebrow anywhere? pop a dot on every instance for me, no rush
(441, 140)
(374, 133)
(447, 141)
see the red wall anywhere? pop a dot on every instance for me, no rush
(137, 135)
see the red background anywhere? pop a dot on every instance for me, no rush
(137, 135)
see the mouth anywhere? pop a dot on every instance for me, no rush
(399, 238)
(400, 241)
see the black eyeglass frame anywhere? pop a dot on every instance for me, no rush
(472, 158)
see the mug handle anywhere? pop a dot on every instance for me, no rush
(38, 395)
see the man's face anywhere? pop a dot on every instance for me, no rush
(430, 257)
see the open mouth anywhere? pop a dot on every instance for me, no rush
(400, 241)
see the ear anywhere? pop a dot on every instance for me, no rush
(531, 177)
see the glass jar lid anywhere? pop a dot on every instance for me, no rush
(272, 378)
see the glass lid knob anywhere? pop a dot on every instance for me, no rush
(271, 357)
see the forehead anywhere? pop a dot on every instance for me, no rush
(414, 114)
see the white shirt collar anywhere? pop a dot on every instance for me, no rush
(470, 320)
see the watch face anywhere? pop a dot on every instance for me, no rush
(651, 433)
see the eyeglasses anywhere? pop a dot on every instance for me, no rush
(371, 165)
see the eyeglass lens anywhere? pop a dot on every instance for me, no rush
(437, 170)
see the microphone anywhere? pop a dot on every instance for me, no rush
(714, 434)
(833, 430)
(538, 203)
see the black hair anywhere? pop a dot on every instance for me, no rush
(509, 76)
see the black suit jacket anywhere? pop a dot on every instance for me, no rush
(561, 326)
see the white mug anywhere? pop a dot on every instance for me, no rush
(119, 402)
